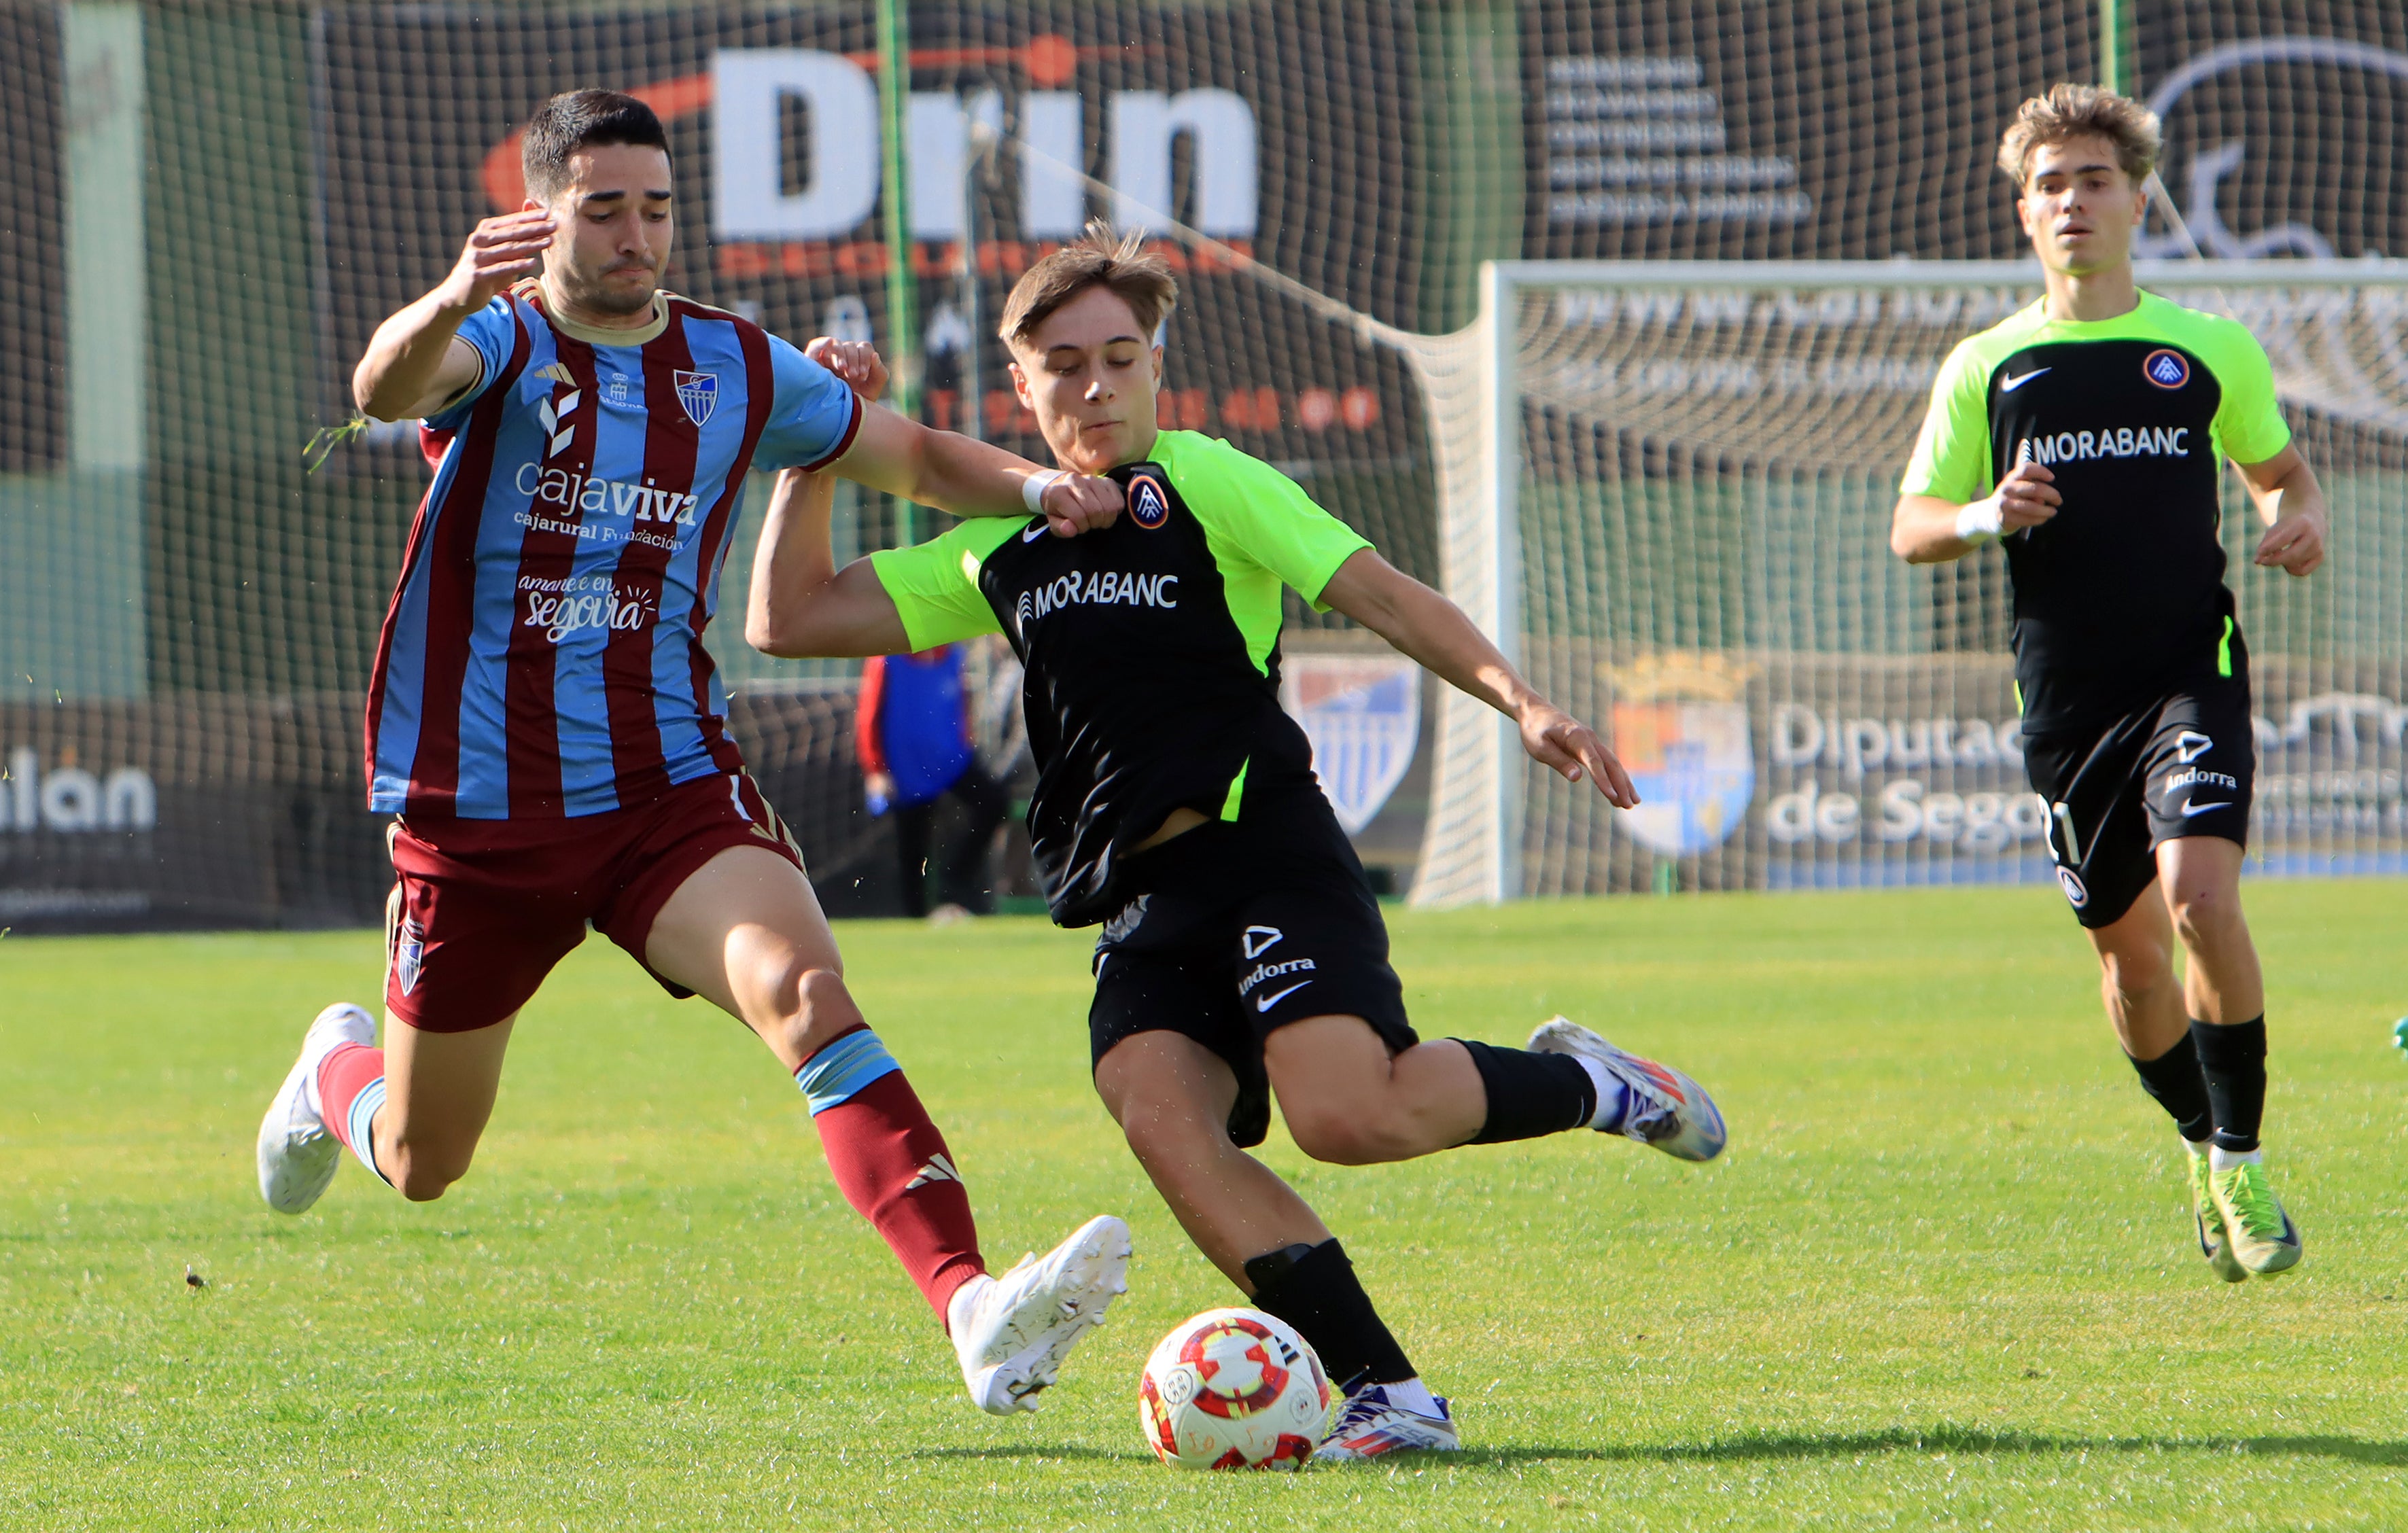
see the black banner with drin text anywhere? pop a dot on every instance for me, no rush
(1284, 133)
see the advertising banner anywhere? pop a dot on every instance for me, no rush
(1767, 772)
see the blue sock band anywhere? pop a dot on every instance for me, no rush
(361, 1126)
(837, 1073)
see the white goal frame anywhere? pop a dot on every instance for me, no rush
(1471, 849)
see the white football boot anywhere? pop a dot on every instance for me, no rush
(1369, 1425)
(1012, 1332)
(1667, 1111)
(296, 1155)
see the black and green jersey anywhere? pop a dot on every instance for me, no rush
(1152, 651)
(2122, 593)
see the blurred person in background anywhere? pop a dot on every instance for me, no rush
(916, 744)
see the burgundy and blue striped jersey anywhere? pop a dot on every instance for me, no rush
(543, 653)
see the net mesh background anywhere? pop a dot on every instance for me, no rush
(217, 202)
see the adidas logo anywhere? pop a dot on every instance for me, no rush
(938, 1170)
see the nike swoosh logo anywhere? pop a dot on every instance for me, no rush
(1035, 533)
(2008, 385)
(1270, 1001)
(2189, 809)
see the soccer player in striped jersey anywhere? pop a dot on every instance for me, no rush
(2086, 433)
(1242, 951)
(549, 732)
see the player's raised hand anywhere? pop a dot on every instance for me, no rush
(1554, 738)
(499, 252)
(855, 361)
(1076, 503)
(2027, 496)
(2295, 544)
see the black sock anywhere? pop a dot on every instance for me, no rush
(2233, 1059)
(1317, 1293)
(1530, 1095)
(2173, 1078)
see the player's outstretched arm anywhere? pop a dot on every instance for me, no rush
(954, 473)
(2292, 505)
(1928, 530)
(801, 606)
(1427, 626)
(416, 363)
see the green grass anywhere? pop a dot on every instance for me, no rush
(1944, 1278)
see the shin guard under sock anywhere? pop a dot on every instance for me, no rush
(2232, 1058)
(1319, 1294)
(2174, 1079)
(891, 1163)
(350, 1088)
(1530, 1095)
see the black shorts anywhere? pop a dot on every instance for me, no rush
(1240, 930)
(2181, 765)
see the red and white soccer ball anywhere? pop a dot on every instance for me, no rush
(1233, 1389)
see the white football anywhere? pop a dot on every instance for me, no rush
(1233, 1389)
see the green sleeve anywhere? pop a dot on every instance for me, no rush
(1951, 456)
(1254, 511)
(935, 585)
(2249, 425)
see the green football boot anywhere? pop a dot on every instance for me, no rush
(2261, 1235)
(2209, 1220)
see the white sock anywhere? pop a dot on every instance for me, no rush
(1612, 1097)
(1414, 1396)
(2221, 1159)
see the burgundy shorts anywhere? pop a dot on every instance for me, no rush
(482, 909)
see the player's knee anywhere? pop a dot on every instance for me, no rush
(2136, 972)
(1338, 1136)
(822, 1009)
(2204, 922)
(423, 1175)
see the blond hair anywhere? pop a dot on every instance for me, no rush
(2082, 111)
(1098, 258)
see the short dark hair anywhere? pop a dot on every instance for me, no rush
(1098, 258)
(576, 120)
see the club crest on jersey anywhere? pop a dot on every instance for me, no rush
(409, 953)
(699, 393)
(2166, 368)
(1149, 501)
(2070, 882)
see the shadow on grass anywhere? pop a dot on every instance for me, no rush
(1039, 1452)
(1949, 1440)
(1942, 1440)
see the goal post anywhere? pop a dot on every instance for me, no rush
(1664, 488)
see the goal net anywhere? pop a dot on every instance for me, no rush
(1668, 486)
(216, 203)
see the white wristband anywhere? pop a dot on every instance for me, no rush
(1033, 488)
(1978, 521)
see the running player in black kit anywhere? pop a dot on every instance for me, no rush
(2085, 432)
(1242, 951)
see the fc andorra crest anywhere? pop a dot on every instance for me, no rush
(1680, 727)
(699, 393)
(1363, 715)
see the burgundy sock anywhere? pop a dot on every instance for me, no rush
(350, 1089)
(891, 1163)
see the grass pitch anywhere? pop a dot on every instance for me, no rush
(1944, 1276)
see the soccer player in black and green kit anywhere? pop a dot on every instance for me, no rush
(2086, 433)
(1242, 951)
